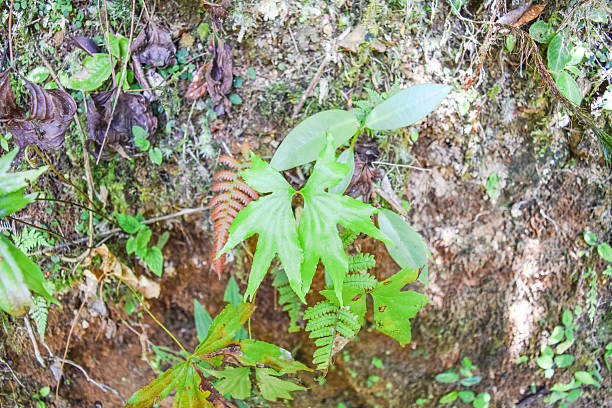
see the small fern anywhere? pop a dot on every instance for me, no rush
(333, 327)
(288, 300)
(347, 237)
(363, 281)
(233, 194)
(29, 239)
(39, 314)
(361, 262)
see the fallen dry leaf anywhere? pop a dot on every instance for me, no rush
(219, 76)
(86, 44)
(131, 110)
(44, 122)
(362, 183)
(197, 87)
(359, 35)
(111, 266)
(154, 46)
(521, 15)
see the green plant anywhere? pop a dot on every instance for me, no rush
(231, 361)
(466, 378)
(144, 145)
(18, 274)
(139, 244)
(300, 246)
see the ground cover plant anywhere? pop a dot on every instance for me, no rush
(277, 203)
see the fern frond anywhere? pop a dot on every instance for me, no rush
(361, 262)
(29, 239)
(39, 314)
(347, 237)
(288, 300)
(234, 195)
(333, 327)
(363, 281)
(319, 310)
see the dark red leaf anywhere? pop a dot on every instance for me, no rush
(44, 122)
(131, 110)
(219, 76)
(197, 87)
(86, 44)
(153, 46)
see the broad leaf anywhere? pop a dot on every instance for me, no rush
(586, 378)
(408, 248)
(234, 381)
(558, 53)
(232, 292)
(449, 376)
(303, 144)
(271, 217)
(346, 157)
(393, 308)
(569, 88)
(202, 320)
(271, 387)
(406, 107)
(223, 328)
(155, 260)
(129, 224)
(96, 70)
(269, 354)
(605, 251)
(323, 211)
(184, 378)
(15, 182)
(18, 275)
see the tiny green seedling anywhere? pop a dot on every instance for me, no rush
(466, 378)
(139, 244)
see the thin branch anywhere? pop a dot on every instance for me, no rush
(10, 32)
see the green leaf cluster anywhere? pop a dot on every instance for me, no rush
(139, 244)
(18, 274)
(466, 378)
(97, 68)
(316, 238)
(220, 356)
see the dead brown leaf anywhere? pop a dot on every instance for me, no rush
(131, 110)
(219, 75)
(521, 15)
(197, 87)
(359, 35)
(46, 119)
(111, 266)
(154, 46)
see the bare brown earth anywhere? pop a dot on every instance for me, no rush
(502, 271)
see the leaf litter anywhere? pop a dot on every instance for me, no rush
(46, 119)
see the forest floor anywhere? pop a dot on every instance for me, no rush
(502, 185)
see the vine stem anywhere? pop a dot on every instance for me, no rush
(36, 227)
(135, 293)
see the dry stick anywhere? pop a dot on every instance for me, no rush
(185, 211)
(102, 386)
(120, 85)
(12, 372)
(10, 32)
(76, 318)
(312, 84)
(107, 38)
(39, 358)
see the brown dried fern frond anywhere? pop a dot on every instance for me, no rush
(232, 195)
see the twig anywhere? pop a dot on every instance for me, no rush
(39, 358)
(10, 32)
(120, 85)
(401, 165)
(186, 211)
(312, 84)
(12, 372)
(102, 386)
(63, 359)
